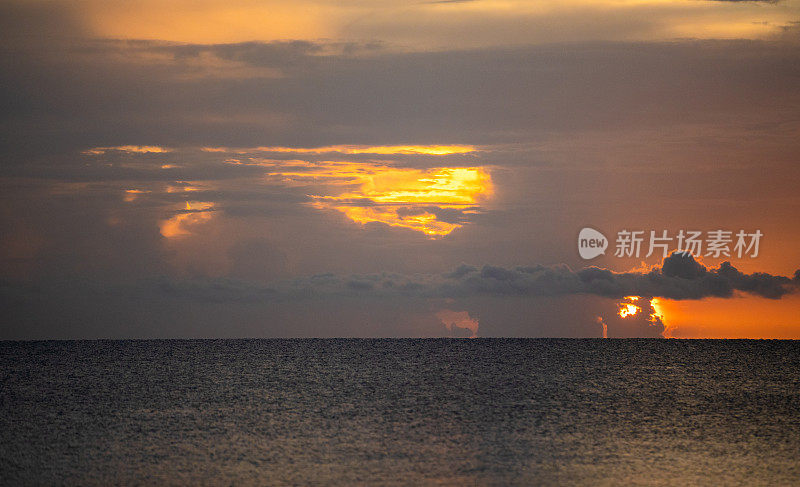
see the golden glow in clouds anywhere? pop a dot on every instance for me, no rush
(434, 150)
(376, 191)
(629, 308)
(658, 312)
(182, 223)
(410, 198)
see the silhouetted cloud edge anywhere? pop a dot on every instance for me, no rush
(680, 277)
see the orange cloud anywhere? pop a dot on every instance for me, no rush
(132, 194)
(409, 198)
(364, 191)
(373, 192)
(458, 319)
(209, 21)
(431, 150)
(135, 149)
(185, 187)
(424, 222)
(182, 224)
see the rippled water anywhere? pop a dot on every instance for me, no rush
(342, 412)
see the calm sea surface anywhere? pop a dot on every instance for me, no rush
(397, 412)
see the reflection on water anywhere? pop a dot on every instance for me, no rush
(480, 411)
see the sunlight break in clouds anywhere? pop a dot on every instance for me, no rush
(658, 313)
(180, 225)
(417, 199)
(629, 307)
(411, 198)
(433, 201)
(434, 150)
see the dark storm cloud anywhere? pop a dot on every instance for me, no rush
(680, 277)
(683, 266)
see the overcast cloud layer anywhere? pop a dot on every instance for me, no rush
(153, 161)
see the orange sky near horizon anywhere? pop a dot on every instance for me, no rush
(738, 317)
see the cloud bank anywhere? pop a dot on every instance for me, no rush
(552, 301)
(680, 277)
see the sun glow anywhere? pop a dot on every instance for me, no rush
(431, 201)
(628, 308)
(743, 316)
(658, 312)
(414, 198)
(434, 201)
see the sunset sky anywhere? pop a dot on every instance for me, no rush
(248, 168)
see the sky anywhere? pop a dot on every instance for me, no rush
(247, 168)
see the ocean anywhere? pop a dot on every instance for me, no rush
(400, 412)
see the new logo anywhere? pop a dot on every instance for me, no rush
(591, 243)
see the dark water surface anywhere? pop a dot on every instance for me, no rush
(396, 412)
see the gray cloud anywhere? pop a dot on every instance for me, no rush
(321, 92)
(680, 277)
(518, 301)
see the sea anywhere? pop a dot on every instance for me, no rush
(400, 412)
